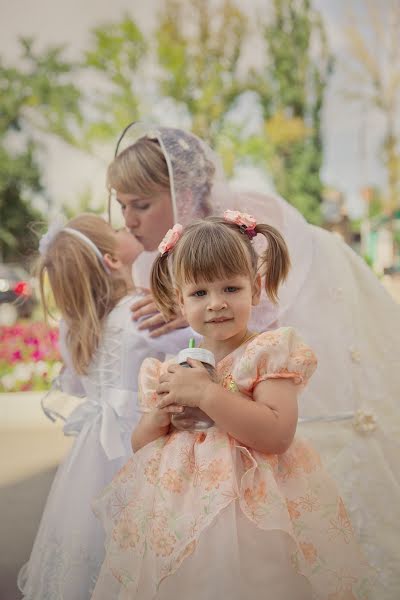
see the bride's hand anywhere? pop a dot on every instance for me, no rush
(145, 307)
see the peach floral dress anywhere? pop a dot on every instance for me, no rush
(198, 515)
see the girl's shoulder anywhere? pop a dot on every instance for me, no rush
(279, 353)
(283, 345)
(274, 338)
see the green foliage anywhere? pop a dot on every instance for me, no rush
(299, 64)
(84, 205)
(374, 81)
(116, 53)
(35, 96)
(199, 48)
(199, 51)
(19, 176)
(376, 204)
(40, 93)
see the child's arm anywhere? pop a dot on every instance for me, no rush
(267, 424)
(152, 426)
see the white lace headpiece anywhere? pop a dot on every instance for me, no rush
(57, 225)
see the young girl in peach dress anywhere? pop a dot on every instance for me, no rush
(244, 509)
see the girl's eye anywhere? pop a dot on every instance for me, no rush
(142, 206)
(231, 288)
(199, 293)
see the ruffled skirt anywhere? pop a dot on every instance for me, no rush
(199, 516)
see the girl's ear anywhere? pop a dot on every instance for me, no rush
(255, 299)
(179, 298)
(113, 263)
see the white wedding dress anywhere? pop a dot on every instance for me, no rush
(351, 409)
(69, 546)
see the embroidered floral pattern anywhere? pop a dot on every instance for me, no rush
(126, 534)
(216, 472)
(151, 469)
(255, 497)
(172, 481)
(341, 526)
(309, 552)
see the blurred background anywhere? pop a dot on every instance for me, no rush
(297, 96)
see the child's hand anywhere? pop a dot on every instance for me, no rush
(153, 425)
(161, 417)
(182, 386)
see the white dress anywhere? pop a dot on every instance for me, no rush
(69, 545)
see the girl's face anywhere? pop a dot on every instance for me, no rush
(128, 247)
(220, 310)
(147, 218)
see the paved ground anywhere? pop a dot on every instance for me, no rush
(28, 459)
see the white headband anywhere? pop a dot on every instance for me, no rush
(55, 229)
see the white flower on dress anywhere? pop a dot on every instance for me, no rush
(365, 421)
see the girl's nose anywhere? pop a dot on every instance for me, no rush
(216, 303)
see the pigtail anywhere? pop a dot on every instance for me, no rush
(162, 287)
(275, 261)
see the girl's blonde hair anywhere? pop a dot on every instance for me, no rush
(83, 291)
(212, 249)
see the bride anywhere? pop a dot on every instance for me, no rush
(350, 411)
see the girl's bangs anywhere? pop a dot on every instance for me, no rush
(211, 255)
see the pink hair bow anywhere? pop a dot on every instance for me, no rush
(170, 239)
(245, 222)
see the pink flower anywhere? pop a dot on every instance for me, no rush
(16, 356)
(170, 239)
(239, 218)
(37, 355)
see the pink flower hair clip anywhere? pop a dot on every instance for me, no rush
(170, 239)
(246, 223)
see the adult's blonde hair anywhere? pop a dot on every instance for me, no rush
(84, 292)
(141, 169)
(211, 249)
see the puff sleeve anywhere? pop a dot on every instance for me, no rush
(279, 354)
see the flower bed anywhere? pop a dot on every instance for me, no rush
(29, 357)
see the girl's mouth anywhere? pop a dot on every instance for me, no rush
(219, 320)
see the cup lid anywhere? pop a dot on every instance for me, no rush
(200, 354)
